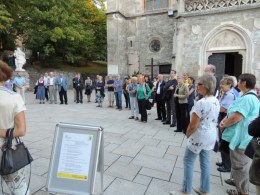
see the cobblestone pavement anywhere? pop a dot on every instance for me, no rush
(139, 158)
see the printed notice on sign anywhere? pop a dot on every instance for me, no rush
(75, 156)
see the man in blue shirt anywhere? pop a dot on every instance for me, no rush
(20, 84)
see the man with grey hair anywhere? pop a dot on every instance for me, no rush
(110, 91)
(118, 92)
(161, 112)
(211, 70)
(20, 84)
(52, 90)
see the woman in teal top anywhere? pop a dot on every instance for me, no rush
(235, 131)
(143, 93)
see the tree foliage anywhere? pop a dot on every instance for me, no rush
(72, 30)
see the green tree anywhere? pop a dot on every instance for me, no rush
(5, 24)
(72, 30)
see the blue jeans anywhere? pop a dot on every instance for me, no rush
(188, 161)
(118, 96)
(134, 106)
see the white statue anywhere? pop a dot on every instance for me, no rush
(19, 55)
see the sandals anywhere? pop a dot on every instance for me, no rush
(234, 192)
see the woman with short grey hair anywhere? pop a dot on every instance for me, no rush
(202, 135)
(235, 132)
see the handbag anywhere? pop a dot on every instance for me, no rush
(14, 159)
(254, 170)
(148, 105)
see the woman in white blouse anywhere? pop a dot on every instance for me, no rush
(201, 134)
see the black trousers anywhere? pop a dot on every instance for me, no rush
(47, 93)
(142, 109)
(79, 96)
(161, 111)
(182, 116)
(127, 100)
(225, 156)
(63, 95)
(171, 111)
(226, 160)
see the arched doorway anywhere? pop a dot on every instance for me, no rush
(229, 63)
(229, 48)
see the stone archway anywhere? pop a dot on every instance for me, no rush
(227, 38)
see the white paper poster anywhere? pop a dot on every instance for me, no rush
(75, 156)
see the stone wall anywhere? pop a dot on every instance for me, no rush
(194, 28)
(34, 75)
(134, 38)
(184, 34)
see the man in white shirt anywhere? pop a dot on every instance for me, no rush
(52, 88)
(161, 111)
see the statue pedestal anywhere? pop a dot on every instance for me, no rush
(25, 75)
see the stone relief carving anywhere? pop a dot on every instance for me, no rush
(196, 29)
(227, 39)
(200, 5)
(257, 23)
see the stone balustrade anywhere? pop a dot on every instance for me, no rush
(202, 5)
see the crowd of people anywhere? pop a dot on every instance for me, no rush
(220, 114)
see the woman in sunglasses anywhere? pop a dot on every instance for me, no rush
(201, 134)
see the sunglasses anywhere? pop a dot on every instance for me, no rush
(199, 84)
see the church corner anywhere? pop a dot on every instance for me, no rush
(184, 35)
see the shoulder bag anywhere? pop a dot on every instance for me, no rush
(14, 159)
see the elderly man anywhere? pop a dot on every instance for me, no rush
(52, 88)
(161, 112)
(211, 70)
(118, 92)
(110, 91)
(62, 83)
(20, 84)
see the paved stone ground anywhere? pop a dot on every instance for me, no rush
(139, 158)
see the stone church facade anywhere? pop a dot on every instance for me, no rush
(184, 35)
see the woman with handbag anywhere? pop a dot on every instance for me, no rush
(143, 94)
(201, 134)
(234, 129)
(100, 87)
(254, 172)
(12, 116)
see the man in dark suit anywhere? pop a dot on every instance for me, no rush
(74, 88)
(161, 112)
(79, 87)
(169, 90)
